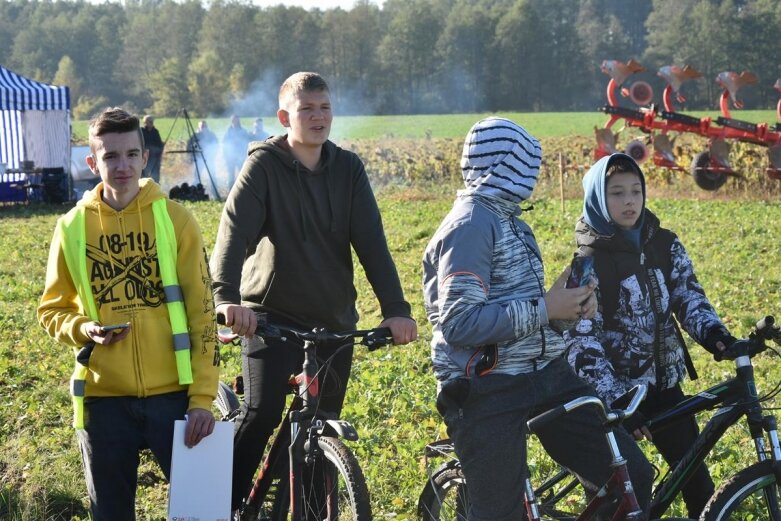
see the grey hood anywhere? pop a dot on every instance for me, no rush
(500, 160)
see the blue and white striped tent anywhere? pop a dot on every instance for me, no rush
(34, 122)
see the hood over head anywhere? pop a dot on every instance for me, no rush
(595, 211)
(500, 160)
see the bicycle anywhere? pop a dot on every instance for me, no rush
(751, 491)
(434, 501)
(320, 478)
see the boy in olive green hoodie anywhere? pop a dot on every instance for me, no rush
(299, 206)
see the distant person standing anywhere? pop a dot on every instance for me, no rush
(258, 134)
(154, 144)
(234, 148)
(205, 142)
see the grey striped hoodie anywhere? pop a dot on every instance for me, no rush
(483, 273)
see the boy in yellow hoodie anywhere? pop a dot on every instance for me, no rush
(127, 257)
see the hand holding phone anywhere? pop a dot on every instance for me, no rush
(582, 269)
(118, 328)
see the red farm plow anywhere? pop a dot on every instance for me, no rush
(711, 167)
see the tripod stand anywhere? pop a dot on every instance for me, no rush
(194, 148)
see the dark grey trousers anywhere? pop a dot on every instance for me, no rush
(116, 429)
(486, 419)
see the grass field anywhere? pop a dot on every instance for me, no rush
(732, 236)
(540, 124)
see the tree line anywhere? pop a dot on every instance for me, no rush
(409, 56)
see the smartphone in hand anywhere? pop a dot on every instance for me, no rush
(118, 328)
(581, 272)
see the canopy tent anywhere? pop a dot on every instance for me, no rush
(35, 123)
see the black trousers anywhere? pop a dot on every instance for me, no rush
(486, 419)
(266, 369)
(673, 441)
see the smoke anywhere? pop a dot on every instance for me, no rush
(260, 100)
(456, 90)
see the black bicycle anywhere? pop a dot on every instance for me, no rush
(752, 493)
(308, 473)
(615, 498)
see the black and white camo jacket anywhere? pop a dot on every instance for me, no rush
(619, 348)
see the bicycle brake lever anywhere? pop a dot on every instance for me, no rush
(378, 339)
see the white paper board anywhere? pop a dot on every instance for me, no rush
(201, 476)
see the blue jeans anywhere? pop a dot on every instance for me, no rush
(116, 429)
(486, 419)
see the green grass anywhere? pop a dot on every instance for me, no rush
(540, 124)
(734, 244)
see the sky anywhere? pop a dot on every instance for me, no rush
(311, 4)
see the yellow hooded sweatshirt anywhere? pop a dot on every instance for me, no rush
(126, 284)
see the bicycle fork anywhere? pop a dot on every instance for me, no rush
(770, 426)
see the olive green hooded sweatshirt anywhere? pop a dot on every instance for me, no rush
(284, 240)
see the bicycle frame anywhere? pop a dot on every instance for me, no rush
(739, 397)
(305, 428)
(619, 481)
(302, 423)
(735, 397)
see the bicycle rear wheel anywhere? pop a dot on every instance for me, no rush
(445, 496)
(333, 487)
(751, 494)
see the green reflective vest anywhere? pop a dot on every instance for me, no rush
(72, 231)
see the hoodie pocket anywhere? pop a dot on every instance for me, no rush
(483, 361)
(324, 297)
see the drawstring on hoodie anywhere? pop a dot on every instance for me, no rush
(329, 188)
(114, 271)
(301, 213)
(114, 263)
(302, 210)
(147, 284)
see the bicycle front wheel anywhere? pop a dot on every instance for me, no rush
(751, 494)
(445, 496)
(333, 487)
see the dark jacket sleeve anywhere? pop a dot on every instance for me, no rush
(367, 237)
(692, 308)
(240, 228)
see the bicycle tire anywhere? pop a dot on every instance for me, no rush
(333, 487)
(742, 497)
(445, 496)
(226, 401)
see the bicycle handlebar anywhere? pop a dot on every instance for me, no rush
(765, 329)
(610, 417)
(371, 338)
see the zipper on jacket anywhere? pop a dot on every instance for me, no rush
(642, 258)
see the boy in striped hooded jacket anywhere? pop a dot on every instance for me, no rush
(497, 353)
